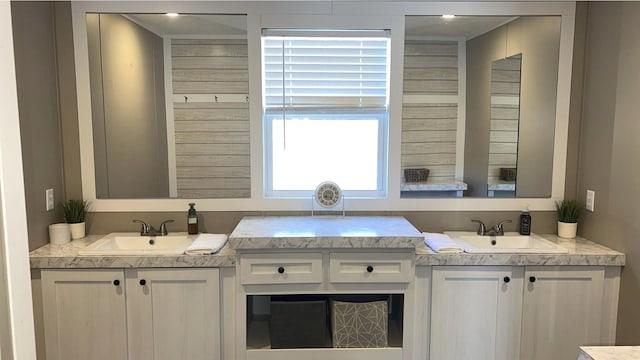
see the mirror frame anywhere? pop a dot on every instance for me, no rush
(338, 14)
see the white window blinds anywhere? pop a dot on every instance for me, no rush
(325, 71)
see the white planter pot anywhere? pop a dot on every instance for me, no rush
(59, 234)
(77, 230)
(567, 230)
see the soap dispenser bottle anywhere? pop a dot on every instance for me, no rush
(192, 220)
(525, 222)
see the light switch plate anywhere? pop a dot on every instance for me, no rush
(51, 200)
(591, 199)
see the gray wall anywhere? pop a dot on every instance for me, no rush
(47, 108)
(537, 38)
(67, 97)
(38, 103)
(225, 221)
(575, 105)
(610, 147)
(126, 62)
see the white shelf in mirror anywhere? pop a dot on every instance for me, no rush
(453, 185)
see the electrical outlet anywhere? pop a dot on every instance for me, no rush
(51, 200)
(591, 199)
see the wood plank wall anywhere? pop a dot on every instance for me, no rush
(505, 114)
(429, 124)
(211, 137)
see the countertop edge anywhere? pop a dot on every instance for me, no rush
(65, 257)
(609, 352)
(98, 262)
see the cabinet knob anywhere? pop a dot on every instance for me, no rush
(369, 268)
(116, 282)
(143, 282)
(532, 279)
(280, 270)
(506, 279)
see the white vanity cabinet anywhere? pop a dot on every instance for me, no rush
(173, 314)
(475, 312)
(323, 273)
(526, 313)
(562, 310)
(132, 314)
(84, 314)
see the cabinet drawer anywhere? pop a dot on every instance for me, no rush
(370, 267)
(293, 268)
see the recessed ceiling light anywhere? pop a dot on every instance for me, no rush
(448, 16)
(171, 14)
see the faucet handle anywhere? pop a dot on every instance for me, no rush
(163, 227)
(499, 226)
(144, 227)
(482, 229)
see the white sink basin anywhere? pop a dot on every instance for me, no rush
(135, 244)
(507, 243)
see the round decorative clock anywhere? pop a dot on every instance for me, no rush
(328, 194)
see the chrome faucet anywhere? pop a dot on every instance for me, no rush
(144, 227)
(148, 230)
(163, 227)
(481, 227)
(496, 230)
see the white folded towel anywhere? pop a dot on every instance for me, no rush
(441, 243)
(206, 244)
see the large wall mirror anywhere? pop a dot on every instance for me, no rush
(170, 106)
(169, 101)
(479, 105)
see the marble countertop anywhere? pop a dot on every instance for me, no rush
(66, 256)
(609, 353)
(306, 232)
(266, 234)
(581, 252)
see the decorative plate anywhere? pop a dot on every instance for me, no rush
(328, 194)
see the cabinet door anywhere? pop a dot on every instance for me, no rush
(173, 314)
(561, 311)
(475, 312)
(84, 314)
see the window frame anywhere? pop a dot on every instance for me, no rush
(269, 114)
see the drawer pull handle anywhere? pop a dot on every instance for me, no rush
(370, 268)
(280, 270)
(532, 279)
(116, 282)
(143, 282)
(507, 279)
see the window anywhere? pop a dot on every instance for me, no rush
(325, 111)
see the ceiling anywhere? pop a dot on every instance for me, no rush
(192, 24)
(466, 27)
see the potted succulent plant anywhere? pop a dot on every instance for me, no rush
(75, 212)
(568, 212)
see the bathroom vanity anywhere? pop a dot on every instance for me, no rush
(439, 306)
(338, 257)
